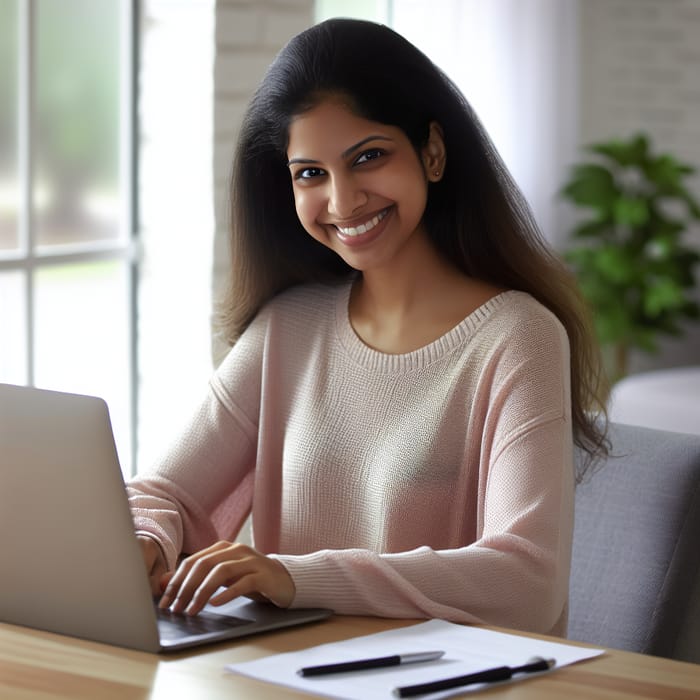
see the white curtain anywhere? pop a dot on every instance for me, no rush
(517, 63)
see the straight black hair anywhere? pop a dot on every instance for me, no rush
(476, 216)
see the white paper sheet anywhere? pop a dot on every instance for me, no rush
(467, 649)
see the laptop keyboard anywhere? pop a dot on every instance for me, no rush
(172, 626)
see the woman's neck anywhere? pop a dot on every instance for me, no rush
(415, 302)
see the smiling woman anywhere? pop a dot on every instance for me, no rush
(411, 366)
(365, 195)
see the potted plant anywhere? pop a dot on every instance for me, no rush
(629, 256)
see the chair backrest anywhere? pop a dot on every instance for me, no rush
(635, 576)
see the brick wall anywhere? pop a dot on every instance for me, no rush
(248, 36)
(640, 71)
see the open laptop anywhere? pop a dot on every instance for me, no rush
(70, 561)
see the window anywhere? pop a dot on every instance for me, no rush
(176, 217)
(67, 265)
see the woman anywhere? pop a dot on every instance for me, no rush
(410, 367)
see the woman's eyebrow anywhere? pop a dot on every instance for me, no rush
(360, 144)
(305, 161)
(345, 153)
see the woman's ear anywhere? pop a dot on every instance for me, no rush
(433, 153)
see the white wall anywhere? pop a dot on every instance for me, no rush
(516, 62)
(640, 71)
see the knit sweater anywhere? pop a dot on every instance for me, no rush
(436, 483)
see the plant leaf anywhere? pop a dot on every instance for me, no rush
(625, 153)
(615, 264)
(593, 186)
(631, 263)
(612, 325)
(664, 171)
(592, 229)
(663, 295)
(631, 211)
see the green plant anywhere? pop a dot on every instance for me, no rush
(630, 261)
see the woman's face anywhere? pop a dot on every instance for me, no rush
(359, 186)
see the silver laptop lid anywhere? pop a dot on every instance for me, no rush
(70, 561)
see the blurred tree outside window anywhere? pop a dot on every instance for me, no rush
(66, 264)
(76, 134)
(9, 190)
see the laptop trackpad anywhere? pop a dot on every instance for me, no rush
(173, 626)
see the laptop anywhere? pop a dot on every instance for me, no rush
(71, 563)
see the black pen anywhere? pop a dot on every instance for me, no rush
(365, 664)
(491, 675)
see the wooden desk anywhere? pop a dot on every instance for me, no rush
(41, 666)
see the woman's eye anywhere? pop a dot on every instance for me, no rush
(372, 154)
(308, 173)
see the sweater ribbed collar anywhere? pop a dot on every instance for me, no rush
(386, 363)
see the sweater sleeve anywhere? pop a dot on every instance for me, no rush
(201, 489)
(516, 572)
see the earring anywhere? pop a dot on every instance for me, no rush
(436, 173)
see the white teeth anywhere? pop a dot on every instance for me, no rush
(362, 228)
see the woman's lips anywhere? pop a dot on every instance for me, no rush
(363, 233)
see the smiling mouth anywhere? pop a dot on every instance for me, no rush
(363, 228)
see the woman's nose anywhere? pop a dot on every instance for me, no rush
(345, 197)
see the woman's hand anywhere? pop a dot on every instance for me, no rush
(239, 568)
(155, 563)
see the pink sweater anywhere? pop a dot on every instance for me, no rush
(438, 483)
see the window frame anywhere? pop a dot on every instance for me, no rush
(28, 259)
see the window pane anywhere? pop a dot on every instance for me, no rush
(9, 190)
(13, 328)
(76, 183)
(82, 337)
(376, 10)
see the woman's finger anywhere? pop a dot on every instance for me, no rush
(184, 585)
(248, 585)
(194, 570)
(183, 581)
(267, 580)
(238, 568)
(154, 561)
(228, 574)
(164, 581)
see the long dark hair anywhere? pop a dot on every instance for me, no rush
(476, 216)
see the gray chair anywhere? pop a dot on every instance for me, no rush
(635, 576)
